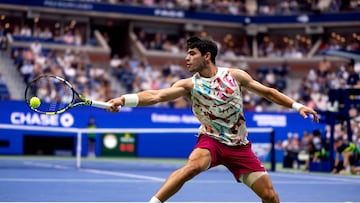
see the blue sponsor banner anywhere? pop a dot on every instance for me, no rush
(183, 14)
(18, 113)
(154, 145)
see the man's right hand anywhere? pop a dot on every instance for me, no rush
(116, 104)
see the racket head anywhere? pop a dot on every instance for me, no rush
(55, 93)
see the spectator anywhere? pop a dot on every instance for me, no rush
(37, 32)
(91, 137)
(78, 38)
(2, 79)
(36, 48)
(350, 154)
(115, 62)
(46, 34)
(323, 68)
(312, 156)
(68, 37)
(41, 61)
(126, 76)
(317, 140)
(27, 70)
(158, 42)
(292, 149)
(2, 38)
(305, 141)
(105, 90)
(25, 31)
(81, 77)
(16, 31)
(317, 149)
(353, 79)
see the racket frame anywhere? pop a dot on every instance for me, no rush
(84, 101)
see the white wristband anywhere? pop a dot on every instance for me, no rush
(131, 100)
(296, 106)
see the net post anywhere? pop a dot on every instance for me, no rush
(78, 149)
(273, 153)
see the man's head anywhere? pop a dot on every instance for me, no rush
(338, 141)
(205, 46)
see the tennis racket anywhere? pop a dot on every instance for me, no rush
(57, 95)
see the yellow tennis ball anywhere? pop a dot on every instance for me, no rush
(35, 102)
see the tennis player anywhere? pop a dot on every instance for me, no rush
(215, 95)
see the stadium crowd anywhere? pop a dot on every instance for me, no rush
(137, 75)
(239, 7)
(75, 66)
(238, 45)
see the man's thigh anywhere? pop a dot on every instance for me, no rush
(200, 157)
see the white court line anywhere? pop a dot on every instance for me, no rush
(129, 175)
(72, 180)
(45, 165)
(103, 172)
(305, 177)
(325, 177)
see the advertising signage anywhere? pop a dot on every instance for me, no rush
(18, 113)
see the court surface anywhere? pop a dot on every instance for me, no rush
(136, 180)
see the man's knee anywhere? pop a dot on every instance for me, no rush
(199, 161)
(269, 196)
(191, 170)
(263, 187)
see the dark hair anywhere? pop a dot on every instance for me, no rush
(316, 133)
(339, 138)
(204, 46)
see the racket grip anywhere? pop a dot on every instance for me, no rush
(102, 105)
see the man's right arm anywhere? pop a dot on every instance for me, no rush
(151, 97)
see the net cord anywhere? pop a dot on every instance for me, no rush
(80, 131)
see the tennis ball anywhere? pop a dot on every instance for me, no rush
(35, 102)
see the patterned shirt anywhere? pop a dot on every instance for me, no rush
(217, 103)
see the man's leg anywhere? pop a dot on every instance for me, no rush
(262, 186)
(199, 160)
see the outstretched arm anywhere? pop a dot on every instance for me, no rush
(151, 97)
(271, 94)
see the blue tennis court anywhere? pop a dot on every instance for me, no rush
(29, 179)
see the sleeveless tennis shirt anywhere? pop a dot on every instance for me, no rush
(217, 103)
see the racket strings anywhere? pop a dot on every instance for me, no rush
(54, 94)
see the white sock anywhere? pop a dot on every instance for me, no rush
(155, 200)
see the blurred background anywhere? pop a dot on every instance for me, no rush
(308, 49)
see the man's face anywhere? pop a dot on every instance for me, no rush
(195, 62)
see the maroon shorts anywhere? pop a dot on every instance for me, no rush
(238, 159)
